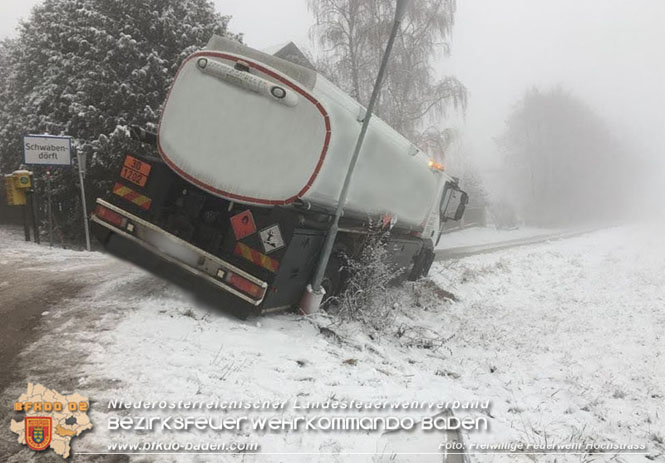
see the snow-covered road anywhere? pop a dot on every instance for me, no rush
(472, 241)
(564, 338)
(479, 236)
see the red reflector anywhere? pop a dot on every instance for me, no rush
(245, 285)
(109, 216)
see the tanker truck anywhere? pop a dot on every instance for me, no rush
(249, 159)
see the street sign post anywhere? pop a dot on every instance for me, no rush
(50, 207)
(53, 151)
(47, 150)
(81, 163)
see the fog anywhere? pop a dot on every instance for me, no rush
(608, 53)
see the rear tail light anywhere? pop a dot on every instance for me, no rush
(244, 285)
(109, 216)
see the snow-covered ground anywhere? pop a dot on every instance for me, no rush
(565, 339)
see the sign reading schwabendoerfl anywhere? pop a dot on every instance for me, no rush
(47, 150)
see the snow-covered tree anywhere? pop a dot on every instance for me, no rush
(5, 46)
(352, 35)
(9, 105)
(88, 69)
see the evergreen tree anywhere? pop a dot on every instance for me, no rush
(5, 46)
(7, 105)
(88, 69)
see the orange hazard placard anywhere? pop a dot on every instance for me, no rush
(133, 163)
(133, 176)
(243, 224)
(135, 171)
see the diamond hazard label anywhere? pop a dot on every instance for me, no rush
(243, 224)
(271, 238)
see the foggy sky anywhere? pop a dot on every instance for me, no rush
(610, 53)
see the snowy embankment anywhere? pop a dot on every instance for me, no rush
(567, 337)
(564, 338)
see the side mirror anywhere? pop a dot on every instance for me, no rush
(453, 203)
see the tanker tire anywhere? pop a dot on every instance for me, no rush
(429, 260)
(421, 264)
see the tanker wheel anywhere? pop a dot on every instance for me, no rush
(429, 260)
(421, 264)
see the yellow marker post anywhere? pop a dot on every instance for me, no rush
(22, 179)
(16, 185)
(15, 195)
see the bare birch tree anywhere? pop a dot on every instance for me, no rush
(351, 35)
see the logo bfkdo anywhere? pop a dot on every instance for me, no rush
(38, 431)
(50, 419)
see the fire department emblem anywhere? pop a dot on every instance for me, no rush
(51, 420)
(38, 432)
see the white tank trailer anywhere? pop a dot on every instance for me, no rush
(261, 146)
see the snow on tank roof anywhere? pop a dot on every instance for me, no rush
(301, 74)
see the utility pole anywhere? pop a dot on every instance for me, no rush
(32, 201)
(314, 294)
(50, 208)
(86, 226)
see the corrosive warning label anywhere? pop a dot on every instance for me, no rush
(271, 238)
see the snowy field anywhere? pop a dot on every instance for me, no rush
(565, 339)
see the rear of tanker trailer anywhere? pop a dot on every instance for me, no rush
(252, 151)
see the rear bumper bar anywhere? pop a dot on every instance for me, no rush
(179, 252)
